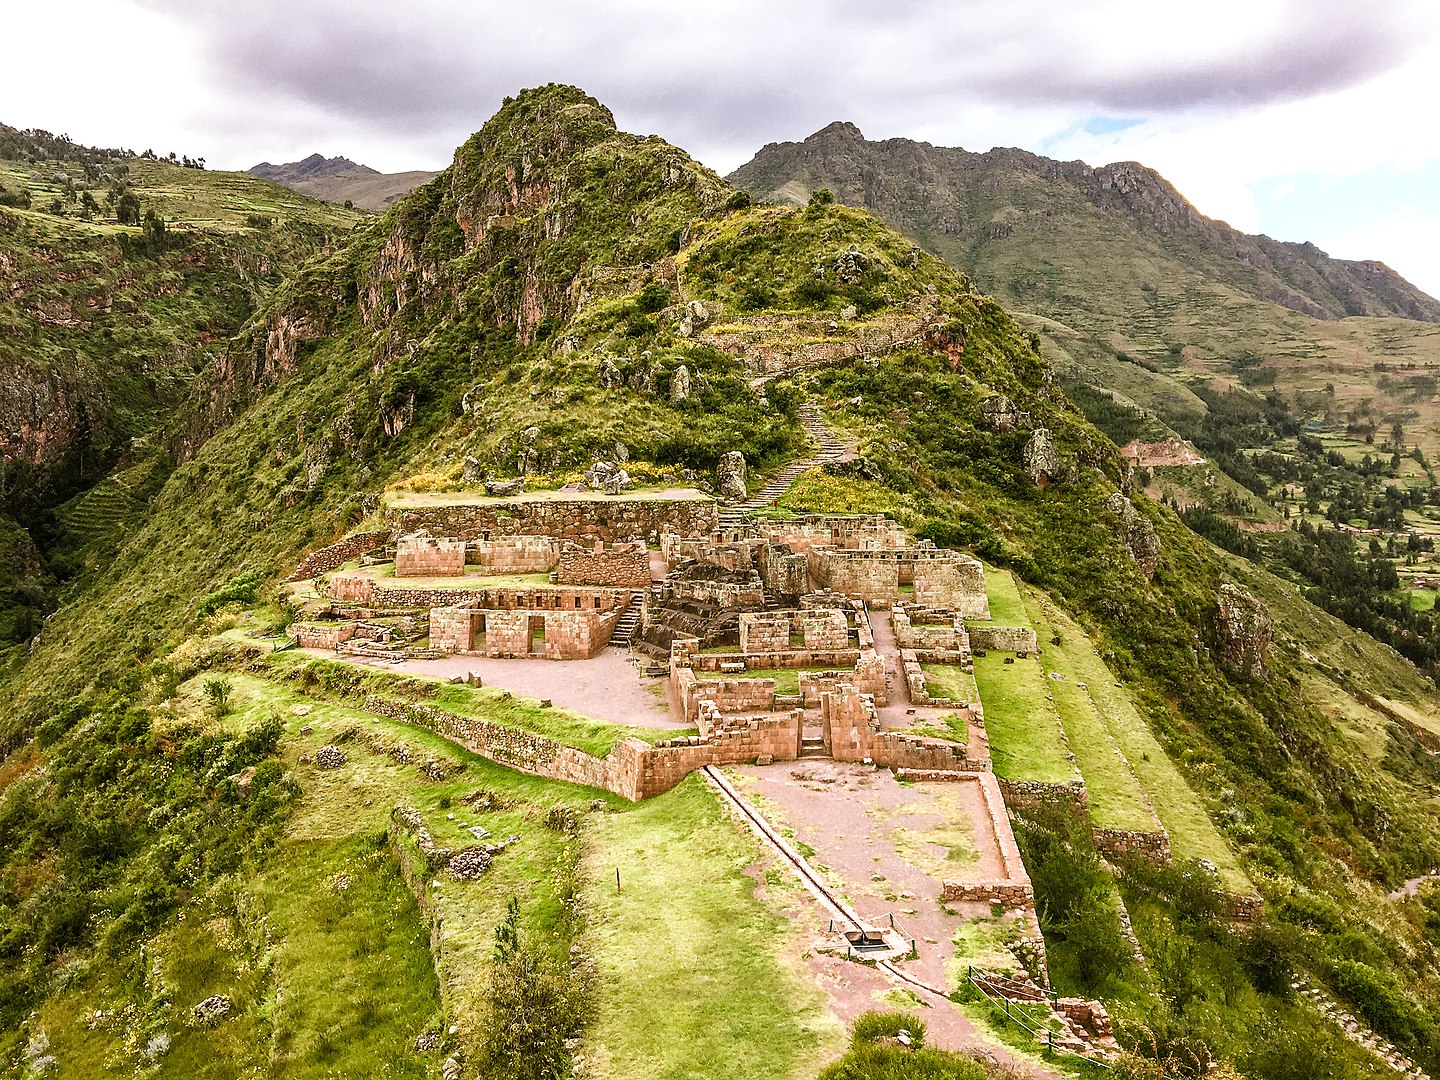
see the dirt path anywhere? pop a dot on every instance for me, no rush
(606, 688)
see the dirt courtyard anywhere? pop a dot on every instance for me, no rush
(886, 847)
(606, 688)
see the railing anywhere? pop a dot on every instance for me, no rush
(853, 953)
(1001, 1005)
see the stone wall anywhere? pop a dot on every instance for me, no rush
(956, 583)
(819, 630)
(428, 556)
(618, 565)
(1022, 793)
(580, 520)
(857, 533)
(633, 770)
(322, 635)
(1153, 844)
(1012, 888)
(362, 589)
(852, 731)
(945, 642)
(786, 572)
(1016, 639)
(515, 554)
(338, 554)
(727, 595)
(727, 695)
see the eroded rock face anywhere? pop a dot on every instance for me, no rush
(1137, 533)
(730, 475)
(1041, 460)
(680, 384)
(1245, 631)
(609, 374)
(1000, 414)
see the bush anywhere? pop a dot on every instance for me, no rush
(533, 1008)
(217, 695)
(871, 1026)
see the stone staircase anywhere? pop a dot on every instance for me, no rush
(1356, 1031)
(627, 624)
(828, 448)
(812, 747)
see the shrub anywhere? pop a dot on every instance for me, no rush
(871, 1026)
(217, 695)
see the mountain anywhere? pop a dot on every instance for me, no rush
(1038, 232)
(208, 858)
(314, 167)
(340, 180)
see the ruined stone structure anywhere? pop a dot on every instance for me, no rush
(621, 565)
(554, 624)
(338, 554)
(782, 631)
(421, 555)
(939, 578)
(1016, 639)
(517, 554)
(934, 636)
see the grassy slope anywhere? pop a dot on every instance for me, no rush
(695, 971)
(1026, 742)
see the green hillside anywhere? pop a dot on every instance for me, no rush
(166, 834)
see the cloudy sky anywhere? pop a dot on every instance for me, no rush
(1305, 119)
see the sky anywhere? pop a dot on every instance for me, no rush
(1303, 119)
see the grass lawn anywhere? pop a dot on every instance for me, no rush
(1117, 801)
(950, 681)
(1422, 599)
(951, 727)
(1025, 741)
(1192, 834)
(1006, 607)
(695, 973)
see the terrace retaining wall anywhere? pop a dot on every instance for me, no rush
(578, 520)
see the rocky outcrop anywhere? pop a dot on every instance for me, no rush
(1000, 414)
(1040, 457)
(730, 475)
(1244, 631)
(1137, 534)
(680, 384)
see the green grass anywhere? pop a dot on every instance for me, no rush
(1422, 599)
(1192, 834)
(950, 681)
(695, 972)
(1025, 738)
(1006, 607)
(1117, 801)
(817, 492)
(951, 727)
(352, 974)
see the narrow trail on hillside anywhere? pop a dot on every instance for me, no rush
(829, 447)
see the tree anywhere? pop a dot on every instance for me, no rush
(127, 208)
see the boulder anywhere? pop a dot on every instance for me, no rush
(1244, 631)
(609, 375)
(730, 475)
(212, 1009)
(1136, 533)
(1040, 458)
(472, 472)
(680, 384)
(505, 487)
